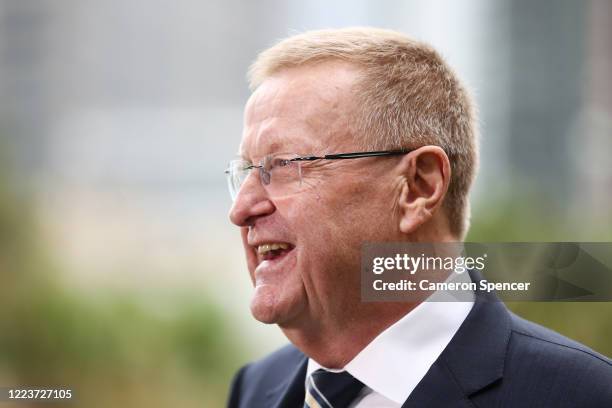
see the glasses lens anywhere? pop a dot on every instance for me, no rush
(237, 172)
(279, 175)
(284, 175)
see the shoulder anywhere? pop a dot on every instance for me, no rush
(528, 335)
(541, 358)
(255, 379)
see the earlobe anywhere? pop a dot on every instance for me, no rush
(413, 213)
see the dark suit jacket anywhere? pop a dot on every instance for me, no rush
(496, 359)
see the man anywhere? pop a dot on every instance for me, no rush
(363, 135)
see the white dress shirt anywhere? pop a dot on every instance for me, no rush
(394, 362)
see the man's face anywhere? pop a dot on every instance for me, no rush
(306, 111)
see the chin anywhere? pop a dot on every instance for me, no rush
(264, 314)
(267, 308)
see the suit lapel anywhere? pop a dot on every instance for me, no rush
(437, 389)
(289, 393)
(472, 360)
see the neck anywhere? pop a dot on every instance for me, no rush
(334, 344)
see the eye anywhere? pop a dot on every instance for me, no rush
(280, 162)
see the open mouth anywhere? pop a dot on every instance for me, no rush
(273, 251)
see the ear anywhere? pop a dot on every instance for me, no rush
(425, 178)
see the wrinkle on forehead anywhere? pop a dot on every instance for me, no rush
(307, 108)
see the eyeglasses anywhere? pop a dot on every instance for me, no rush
(281, 174)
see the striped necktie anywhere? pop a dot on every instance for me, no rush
(325, 389)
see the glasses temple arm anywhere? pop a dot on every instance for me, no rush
(354, 155)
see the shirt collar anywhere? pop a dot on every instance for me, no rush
(399, 357)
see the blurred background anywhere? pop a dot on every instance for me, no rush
(122, 277)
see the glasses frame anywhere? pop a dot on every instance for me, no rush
(265, 175)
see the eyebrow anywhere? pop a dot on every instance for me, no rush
(274, 147)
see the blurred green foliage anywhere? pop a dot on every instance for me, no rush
(112, 350)
(532, 218)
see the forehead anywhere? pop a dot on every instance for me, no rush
(304, 108)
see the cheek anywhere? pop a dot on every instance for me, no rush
(328, 230)
(335, 220)
(363, 215)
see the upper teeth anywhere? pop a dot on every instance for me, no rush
(262, 249)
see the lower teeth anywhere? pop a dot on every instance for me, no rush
(275, 253)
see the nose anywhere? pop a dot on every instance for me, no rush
(251, 202)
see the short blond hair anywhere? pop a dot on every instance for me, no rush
(407, 97)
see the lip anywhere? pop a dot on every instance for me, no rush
(256, 244)
(268, 269)
(264, 257)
